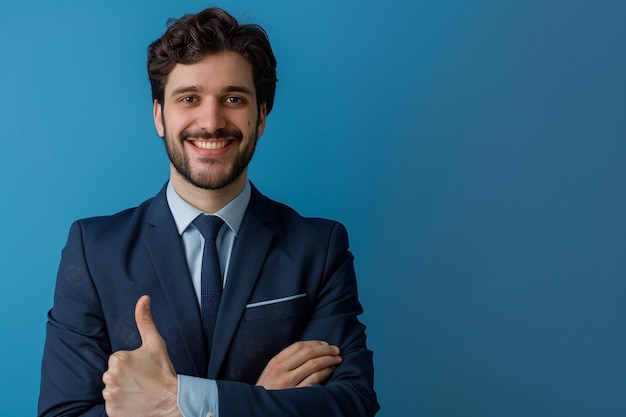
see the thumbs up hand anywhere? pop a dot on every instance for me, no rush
(142, 382)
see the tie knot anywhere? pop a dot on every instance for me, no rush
(208, 225)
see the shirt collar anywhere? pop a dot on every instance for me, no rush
(184, 213)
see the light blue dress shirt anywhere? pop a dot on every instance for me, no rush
(198, 397)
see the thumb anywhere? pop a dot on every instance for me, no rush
(145, 324)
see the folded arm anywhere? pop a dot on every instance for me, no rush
(78, 348)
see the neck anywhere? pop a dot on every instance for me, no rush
(209, 201)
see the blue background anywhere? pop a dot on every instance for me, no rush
(476, 151)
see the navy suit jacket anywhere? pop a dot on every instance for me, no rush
(291, 278)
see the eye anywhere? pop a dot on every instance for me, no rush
(188, 99)
(234, 100)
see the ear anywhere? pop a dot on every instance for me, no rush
(261, 120)
(157, 114)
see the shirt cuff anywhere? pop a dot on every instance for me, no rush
(197, 397)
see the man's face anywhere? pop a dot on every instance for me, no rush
(210, 120)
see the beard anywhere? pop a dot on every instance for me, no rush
(205, 178)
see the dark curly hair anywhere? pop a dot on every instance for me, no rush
(189, 39)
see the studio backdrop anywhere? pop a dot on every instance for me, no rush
(475, 150)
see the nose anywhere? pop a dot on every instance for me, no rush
(210, 116)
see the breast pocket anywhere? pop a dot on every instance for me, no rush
(277, 308)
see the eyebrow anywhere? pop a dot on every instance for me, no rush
(237, 89)
(185, 89)
(196, 89)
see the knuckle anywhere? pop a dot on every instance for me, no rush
(272, 373)
(283, 381)
(275, 372)
(110, 380)
(299, 345)
(108, 394)
(118, 358)
(313, 364)
(308, 351)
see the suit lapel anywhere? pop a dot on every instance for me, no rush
(247, 258)
(165, 248)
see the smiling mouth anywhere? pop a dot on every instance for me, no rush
(210, 144)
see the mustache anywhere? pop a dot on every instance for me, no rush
(224, 133)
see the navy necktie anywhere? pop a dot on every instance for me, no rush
(211, 275)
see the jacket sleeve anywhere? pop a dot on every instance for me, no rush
(349, 392)
(77, 345)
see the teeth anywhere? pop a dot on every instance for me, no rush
(210, 144)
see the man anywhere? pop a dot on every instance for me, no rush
(154, 316)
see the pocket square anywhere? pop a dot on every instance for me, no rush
(275, 300)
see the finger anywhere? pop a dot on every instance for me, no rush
(285, 370)
(303, 352)
(318, 377)
(313, 366)
(145, 323)
(292, 349)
